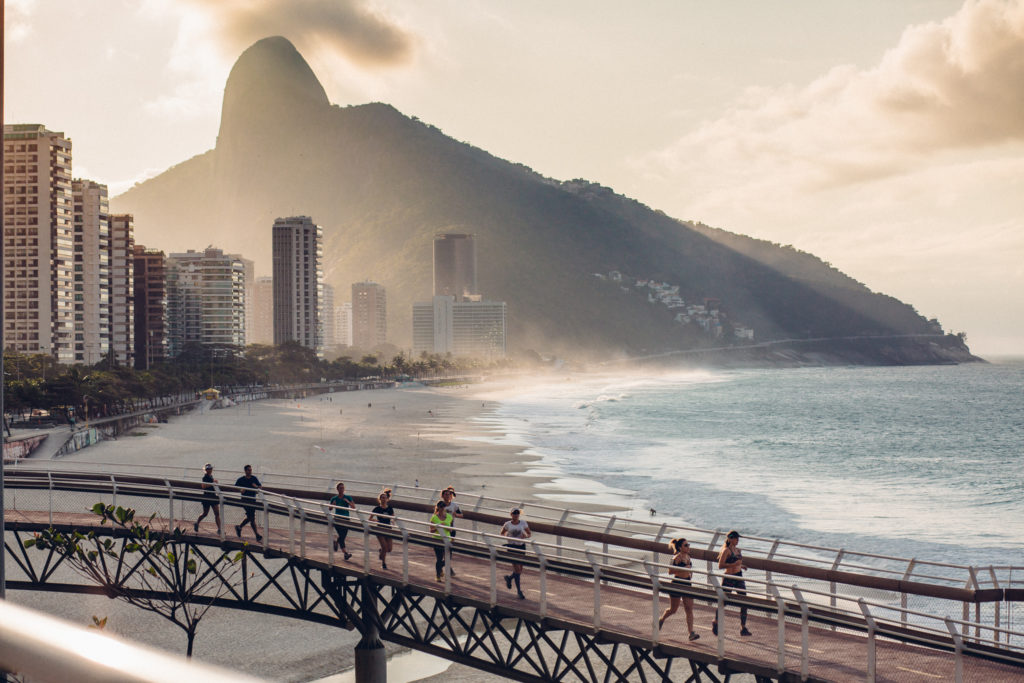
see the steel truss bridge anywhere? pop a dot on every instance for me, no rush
(590, 611)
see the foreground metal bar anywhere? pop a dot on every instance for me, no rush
(43, 648)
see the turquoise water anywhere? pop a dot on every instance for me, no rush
(923, 462)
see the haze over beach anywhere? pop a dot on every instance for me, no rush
(883, 138)
(836, 190)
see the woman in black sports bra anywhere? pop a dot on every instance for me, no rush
(680, 571)
(731, 560)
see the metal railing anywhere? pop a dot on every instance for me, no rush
(38, 647)
(614, 566)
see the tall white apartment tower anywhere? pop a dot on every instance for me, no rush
(249, 266)
(298, 281)
(263, 310)
(92, 271)
(122, 288)
(38, 274)
(327, 321)
(205, 301)
(369, 315)
(343, 323)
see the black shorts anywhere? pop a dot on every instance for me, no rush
(207, 504)
(732, 582)
(679, 581)
(518, 548)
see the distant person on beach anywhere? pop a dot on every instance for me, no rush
(452, 507)
(382, 514)
(209, 498)
(341, 503)
(681, 576)
(731, 560)
(517, 531)
(440, 526)
(248, 483)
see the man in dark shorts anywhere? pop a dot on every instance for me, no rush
(455, 510)
(341, 503)
(517, 531)
(248, 483)
(209, 498)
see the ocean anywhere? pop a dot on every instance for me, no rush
(923, 462)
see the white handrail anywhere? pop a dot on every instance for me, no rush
(314, 512)
(43, 648)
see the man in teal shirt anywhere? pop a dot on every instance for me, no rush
(342, 504)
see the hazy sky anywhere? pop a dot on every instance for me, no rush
(885, 137)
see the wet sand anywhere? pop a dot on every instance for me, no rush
(439, 436)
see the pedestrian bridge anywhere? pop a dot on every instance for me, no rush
(595, 585)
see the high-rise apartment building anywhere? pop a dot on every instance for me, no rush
(263, 307)
(457, 320)
(91, 271)
(330, 338)
(369, 315)
(38, 236)
(150, 296)
(298, 281)
(455, 267)
(122, 286)
(475, 329)
(249, 266)
(343, 323)
(205, 300)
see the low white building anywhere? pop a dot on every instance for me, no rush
(463, 328)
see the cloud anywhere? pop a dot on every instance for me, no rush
(945, 87)
(18, 19)
(349, 27)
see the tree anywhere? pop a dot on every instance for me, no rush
(159, 571)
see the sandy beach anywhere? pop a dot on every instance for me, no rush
(436, 436)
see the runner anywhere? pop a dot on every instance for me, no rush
(341, 504)
(448, 496)
(248, 483)
(518, 531)
(731, 560)
(209, 498)
(681, 576)
(440, 526)
(383, 513)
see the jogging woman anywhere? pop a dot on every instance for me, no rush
(681, 576)
(441, 527)
(731, 560)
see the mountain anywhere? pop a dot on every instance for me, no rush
(382, 184)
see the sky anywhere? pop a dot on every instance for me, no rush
(885, 137)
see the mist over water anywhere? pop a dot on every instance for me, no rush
(919, 462)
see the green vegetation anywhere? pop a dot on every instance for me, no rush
(157, 571)
(37, 382)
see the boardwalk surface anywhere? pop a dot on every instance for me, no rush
(833, 655)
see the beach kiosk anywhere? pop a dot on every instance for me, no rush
(211, 394)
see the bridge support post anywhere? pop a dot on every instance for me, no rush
(371, 658)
